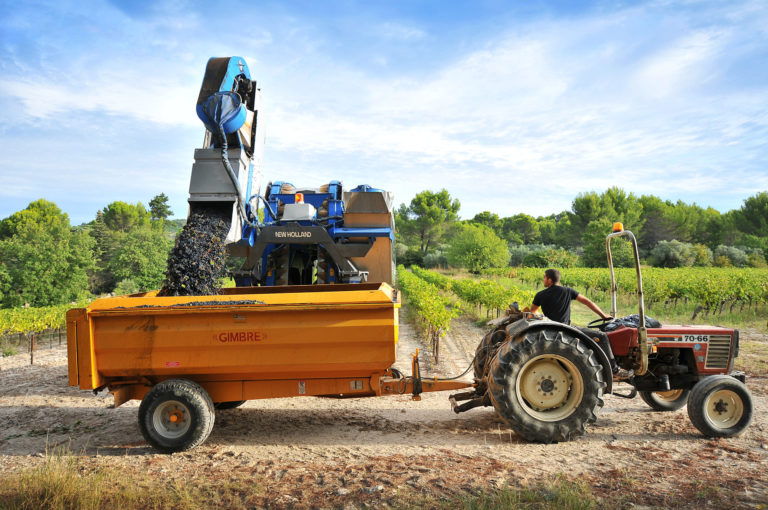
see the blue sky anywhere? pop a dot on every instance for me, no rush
(512, 107)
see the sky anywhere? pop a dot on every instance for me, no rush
(510, 106)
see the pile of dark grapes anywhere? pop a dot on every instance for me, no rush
(196, 264)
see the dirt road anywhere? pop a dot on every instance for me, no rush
(327, 452)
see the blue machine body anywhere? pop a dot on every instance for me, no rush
(312, 247)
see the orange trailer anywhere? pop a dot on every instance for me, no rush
(185, 356)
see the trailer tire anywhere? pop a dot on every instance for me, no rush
(176, 415)
(223, 406)
(665, 400)
(532, 368)
(720, 406)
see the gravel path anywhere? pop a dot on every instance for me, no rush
(319, 452)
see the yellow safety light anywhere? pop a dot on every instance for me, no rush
(618, 227)
(299, 198)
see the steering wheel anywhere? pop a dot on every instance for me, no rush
(598, 323)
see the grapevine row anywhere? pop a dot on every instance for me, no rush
(32, 320)
(482, 292)
(434, 309)
(706, 286)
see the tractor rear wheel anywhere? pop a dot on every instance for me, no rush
(547, 386)
(483, 352)
(720, 406)
(176, 415)
(671, 400)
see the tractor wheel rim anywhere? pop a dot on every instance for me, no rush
(549, 387)
(171, 419)
(724, 408)
(668, 396)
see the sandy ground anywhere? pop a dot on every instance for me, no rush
(315, 452)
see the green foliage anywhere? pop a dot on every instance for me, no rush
(435, 258)
(551, 257)
(707, 286)
(425, 221)
(126, 287)
(476, 247)
(735, 256)
(522, 227)
(122, 217)
(673, 254)
(141, 257)
(424, 297)
(752, 218)
(159, 208)
(594, 246)
(32, 320)
(482, 292)
(44, 261)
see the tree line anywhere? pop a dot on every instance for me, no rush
(46, 261)
(670, 234)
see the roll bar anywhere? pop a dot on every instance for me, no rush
(618, 231)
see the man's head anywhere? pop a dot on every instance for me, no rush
(551, 277)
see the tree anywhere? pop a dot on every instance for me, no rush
(141, 257)
(476, 247)
(594, 246)
(551, 257)
(159, 207)
(752, 218)
(612, 205)
(426, 219)
(524, 227)
(42, 259)
(490, 220)
(122, 217)
(673, 254)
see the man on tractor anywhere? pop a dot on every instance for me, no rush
(555, 299)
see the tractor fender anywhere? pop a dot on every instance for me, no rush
(521, 327)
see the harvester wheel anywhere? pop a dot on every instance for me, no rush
(176, 415)
(223, 406)
(720, 406)
(547, 385)
(671, 400)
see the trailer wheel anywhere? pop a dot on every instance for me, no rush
(223, 406)
(176, 415)
(671, 400)
(720, 406)
(548, 386)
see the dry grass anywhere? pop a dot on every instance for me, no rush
(65, 482)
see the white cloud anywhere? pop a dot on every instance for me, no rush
(555, 106)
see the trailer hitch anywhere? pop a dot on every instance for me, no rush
(474, 399)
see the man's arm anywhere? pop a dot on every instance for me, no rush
(581, 298)
(534, 308)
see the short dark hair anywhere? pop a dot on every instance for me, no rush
(553, 274)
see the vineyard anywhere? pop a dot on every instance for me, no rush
(26, 325)
(705, 290)
(711, 289)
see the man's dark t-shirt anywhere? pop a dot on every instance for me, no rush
(555, 302)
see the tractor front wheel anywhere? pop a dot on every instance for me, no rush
(547, 386)
(720, 406)
(671, 400)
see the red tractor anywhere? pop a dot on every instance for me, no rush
(547, 379)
